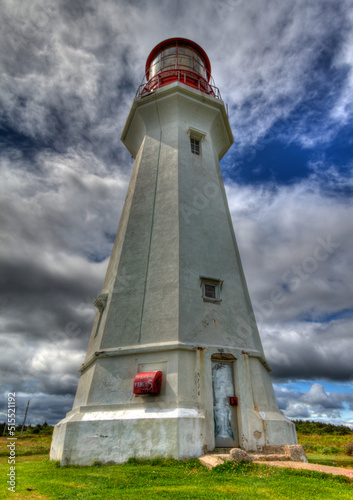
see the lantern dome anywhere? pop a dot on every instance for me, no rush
(178, 59)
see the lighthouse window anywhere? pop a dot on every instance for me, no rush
(195, 146)
(211, 289)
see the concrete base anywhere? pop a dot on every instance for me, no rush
(170, 424)
(116, 436)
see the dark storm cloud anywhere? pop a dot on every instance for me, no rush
(42, 367)
(311, 351)
(49, 408)
(42, 408)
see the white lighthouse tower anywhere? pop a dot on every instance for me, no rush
(175, 365)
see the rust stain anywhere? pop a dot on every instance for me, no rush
(200, 373)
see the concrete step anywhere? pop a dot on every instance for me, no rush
(268, 454)
(223, 453)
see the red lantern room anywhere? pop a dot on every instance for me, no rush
(178, 59)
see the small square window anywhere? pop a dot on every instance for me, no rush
(211, 289)
(195, 146)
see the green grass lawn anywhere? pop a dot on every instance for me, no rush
(335, 460)
(28, 445)
(324, 442)
(327, 449)
(38, 478)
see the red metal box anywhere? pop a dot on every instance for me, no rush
(148, 383)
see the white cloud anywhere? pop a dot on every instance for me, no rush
(344, 105)
(316, 404)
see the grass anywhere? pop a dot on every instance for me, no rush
(314, 442)
(27, 445)
(38, 478)
(333, 460)
(327, 449)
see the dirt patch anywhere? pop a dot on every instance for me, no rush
(328, 469)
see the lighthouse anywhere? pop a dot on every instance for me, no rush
(175, 365)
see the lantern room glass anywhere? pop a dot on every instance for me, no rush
(178, 57)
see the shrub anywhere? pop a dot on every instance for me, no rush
(330, 450)
(348, 448)
(312, 447)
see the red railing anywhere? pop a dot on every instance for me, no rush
(189, 78)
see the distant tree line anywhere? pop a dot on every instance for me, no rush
(29, 429)
(311, 427)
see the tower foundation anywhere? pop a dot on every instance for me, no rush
(159, 426)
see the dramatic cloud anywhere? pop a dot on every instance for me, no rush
(315, 404)
(295, 241)
(70, 70)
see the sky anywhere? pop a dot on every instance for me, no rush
(69, 73)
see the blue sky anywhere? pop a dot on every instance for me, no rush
(70, 70)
